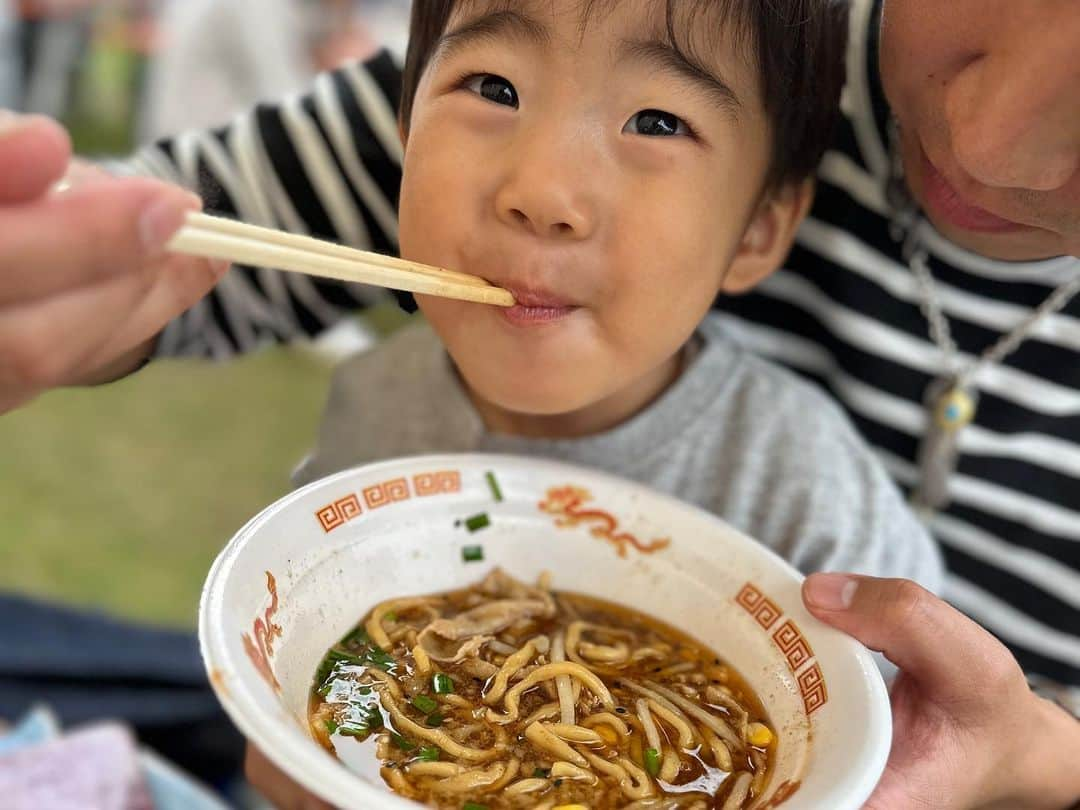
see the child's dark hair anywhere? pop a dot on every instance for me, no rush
(798, 46)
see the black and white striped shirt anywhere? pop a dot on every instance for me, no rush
(846, 314)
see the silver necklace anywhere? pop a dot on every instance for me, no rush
(952, 399)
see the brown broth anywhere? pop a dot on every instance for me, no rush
(352, 702)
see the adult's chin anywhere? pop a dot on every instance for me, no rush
(1027, 245)
(980, 235)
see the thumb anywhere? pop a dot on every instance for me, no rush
(935, 644)
(34, 153)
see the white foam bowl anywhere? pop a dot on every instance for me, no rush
(340, 545)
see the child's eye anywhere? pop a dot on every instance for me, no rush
(493, 88)
(656, 123)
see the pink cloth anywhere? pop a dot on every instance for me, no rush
(96, 768)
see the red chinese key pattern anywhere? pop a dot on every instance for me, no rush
(791, 642)
(339, 512)
(376, 496)
(763, 609)
(437, 483)
(379, 495)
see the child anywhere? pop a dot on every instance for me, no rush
(616, 165)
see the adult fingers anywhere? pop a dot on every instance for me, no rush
(34, 153)
(181, 283)
(69, 240)
(44, 345)
(925, 637)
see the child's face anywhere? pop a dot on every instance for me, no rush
(613, 189)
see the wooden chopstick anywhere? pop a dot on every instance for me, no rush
(218, 238)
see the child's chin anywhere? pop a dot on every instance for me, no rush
(525, 396)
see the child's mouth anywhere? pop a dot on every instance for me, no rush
(535, 307)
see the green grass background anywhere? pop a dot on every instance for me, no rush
(119, 497)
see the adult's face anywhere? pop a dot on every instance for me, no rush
(987, 97)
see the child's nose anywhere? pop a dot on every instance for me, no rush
(548, 193)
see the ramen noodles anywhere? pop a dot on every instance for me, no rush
(506, 695)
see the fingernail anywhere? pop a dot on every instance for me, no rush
(159, 222)
(195, 200)
(9, 121)
(830, 591)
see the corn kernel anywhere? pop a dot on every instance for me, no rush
(609, 736)
(758, 734)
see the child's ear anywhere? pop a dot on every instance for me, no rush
(768, 237)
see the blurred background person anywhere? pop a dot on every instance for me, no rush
(220, 57)
(53, 37)
(10, 70)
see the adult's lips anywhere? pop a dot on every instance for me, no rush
(947, 204)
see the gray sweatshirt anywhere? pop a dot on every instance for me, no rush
(734, 434)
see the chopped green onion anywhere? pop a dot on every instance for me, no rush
(402, 743)
(472, 553)
(356, 636)
(477, 522)
(652, 761)
(361, 720)
(493, 485)
(425, 704)
(323, 673)
(429, 753)
(326, 667)
(368, 655)
(434, 720)
(391, 616)
(331, 727)
(473, 806)
(376, 657)
(372, 718)
(541, 773)
(442, 684)
(324, 690)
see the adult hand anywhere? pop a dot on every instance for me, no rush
(967, 730)
(280, 790)
(85, 284)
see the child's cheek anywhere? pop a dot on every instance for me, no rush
(443, 314)
(427, 212)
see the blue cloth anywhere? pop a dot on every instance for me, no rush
(39, 726)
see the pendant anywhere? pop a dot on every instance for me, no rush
(949, 408)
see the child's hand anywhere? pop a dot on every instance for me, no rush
(84, 283)
(967, 730)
